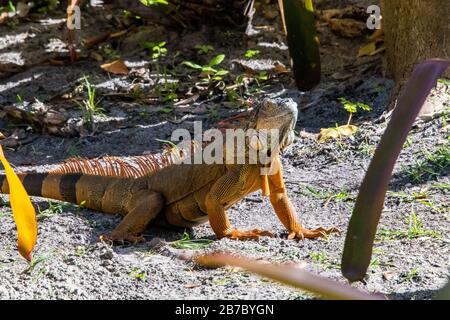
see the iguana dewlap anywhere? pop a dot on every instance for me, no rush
(183, 195)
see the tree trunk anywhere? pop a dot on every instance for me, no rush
(415, 30)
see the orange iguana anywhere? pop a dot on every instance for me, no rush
(157, 188)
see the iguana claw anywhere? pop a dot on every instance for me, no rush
(303, 233)
(254, 234)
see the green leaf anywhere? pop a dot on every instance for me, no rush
(363, 106)
(369, 204)
(251, 53)
(208, 70)
(149, 3)
(216, 60)
(192, 65)
(222, 72)
(187, 243)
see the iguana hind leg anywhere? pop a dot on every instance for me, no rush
(144, 207)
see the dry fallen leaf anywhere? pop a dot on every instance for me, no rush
(338, 132)
(368, 49)
(371, 49)
(116, 67)
(348, 28)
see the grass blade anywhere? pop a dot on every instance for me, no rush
(369, 204)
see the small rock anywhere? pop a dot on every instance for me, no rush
(107, 254)
(388, 275)
(156, 243)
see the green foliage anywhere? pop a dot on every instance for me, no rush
(35, 262)
(53, 209)
(204, 49)
(207, 70)
(149, 3)
(138, 274)
(11, 6)
(157, 48)
(352, 107)
(89, 106)
(415, 230)
(252, 54)
(431, 165)
(48, 6)
(187, 243)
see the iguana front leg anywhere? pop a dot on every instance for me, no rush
(227, 190)
(286, 211)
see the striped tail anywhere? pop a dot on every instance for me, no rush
(54, 186)
(106, 194)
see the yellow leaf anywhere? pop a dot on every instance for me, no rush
(116, 67)
(368, 49)
(338, 132)
(23, 211)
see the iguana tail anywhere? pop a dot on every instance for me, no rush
(106, 194)
(104, 184)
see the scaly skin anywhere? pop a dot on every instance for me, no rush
(184, 195)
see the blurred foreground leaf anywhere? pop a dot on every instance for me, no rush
(289, 275)
(369, 204)
(298, 17)
(23, 211)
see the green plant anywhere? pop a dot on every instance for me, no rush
(431, 165)
(80, 251)
(207, 70)
(149, 3)
(90, 106)
(251, 54)
(412, 275)
(34, 262)
(187, 243)
(414, 230)
(109, 52)
(204, 48)
(48, 5)
(344, 130)
(158, 49)
(11, 6)
(53, 209)
(322, 259)
(352, 107)
(138, 274)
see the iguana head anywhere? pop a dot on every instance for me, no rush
(279, 114)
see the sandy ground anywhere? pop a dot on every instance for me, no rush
(411, 261)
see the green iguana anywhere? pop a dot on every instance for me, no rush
(184, 195)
